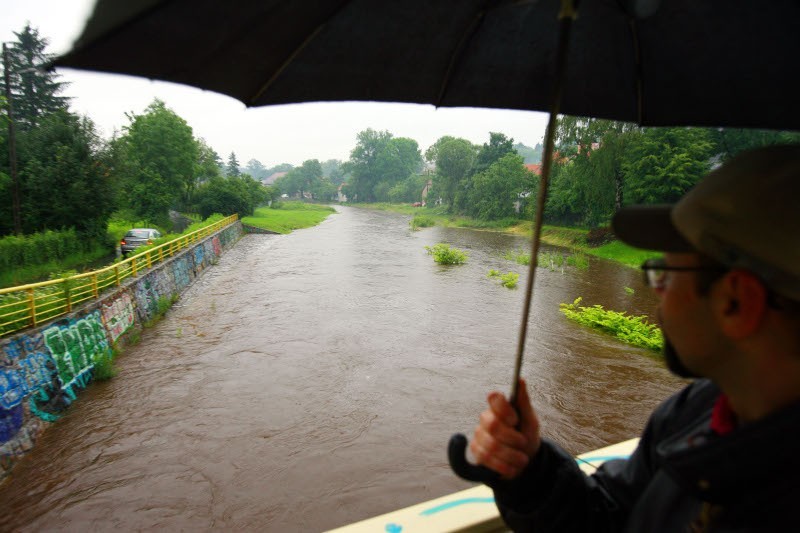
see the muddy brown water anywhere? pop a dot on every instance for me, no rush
(311, 380)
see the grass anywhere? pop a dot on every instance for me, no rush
(622, 253)
(288, 216)
(44, 271)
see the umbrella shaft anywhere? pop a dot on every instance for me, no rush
(566, 17)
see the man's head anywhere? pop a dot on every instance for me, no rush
(744, 217)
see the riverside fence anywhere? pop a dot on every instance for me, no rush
(30, 305)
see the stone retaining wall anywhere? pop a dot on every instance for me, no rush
(43, 370)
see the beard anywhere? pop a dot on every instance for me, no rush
(674, 363)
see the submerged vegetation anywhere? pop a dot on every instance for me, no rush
(551, 260)
(635, 330)
(421, 221)
(508, 280)
(445, 255)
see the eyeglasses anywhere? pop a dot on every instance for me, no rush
(655, 271)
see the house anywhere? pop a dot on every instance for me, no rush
(270, 180)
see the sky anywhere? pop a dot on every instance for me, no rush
(272, 135)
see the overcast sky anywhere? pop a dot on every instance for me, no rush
(277, 134)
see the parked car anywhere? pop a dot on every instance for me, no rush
(137, 237)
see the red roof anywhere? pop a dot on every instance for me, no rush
(535, 168)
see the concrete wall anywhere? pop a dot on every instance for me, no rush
(44, 370)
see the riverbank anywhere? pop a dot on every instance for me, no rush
(573, 238)
(288, 216)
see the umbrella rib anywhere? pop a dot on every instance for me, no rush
(295, 53)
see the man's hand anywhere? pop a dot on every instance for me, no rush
(507, 439)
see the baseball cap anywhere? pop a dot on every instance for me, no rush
(744, 214)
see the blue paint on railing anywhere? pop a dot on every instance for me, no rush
(601, 458)
(454, 503)
(393, 528)
(466, 501)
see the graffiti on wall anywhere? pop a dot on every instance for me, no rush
(182, 270)
(26, 370)
(199, 256)
(75, 347)
(118, 315)
(150, 289)
(217, 246)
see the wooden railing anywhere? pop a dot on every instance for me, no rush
(30, 305)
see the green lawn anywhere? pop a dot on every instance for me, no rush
(288, 216)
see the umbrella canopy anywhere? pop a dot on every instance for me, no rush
(683, 62)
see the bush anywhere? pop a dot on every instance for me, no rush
(40, 248)
(635, 330)
(444, 255)
(508, 280)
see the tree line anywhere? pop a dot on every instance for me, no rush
(601, 165)
(67, 176)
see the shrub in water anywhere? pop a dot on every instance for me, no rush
(104, 367)
(445, 255)
(422, 221)
(635, 330)
(508, 280)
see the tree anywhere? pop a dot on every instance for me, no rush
(363, 164)
(432, 153)
(398, 158)
(303, 179)
(256, 169)
(454, 159)
(283, 167)
(156, 161)
(208, 162)
(498, 146)
(408, 190)
(663, 163)
(33, 88)
(530, 155)
(226, 196)
(65, 182)
(596, 150)
(332, 169)
(498, 191)
(232, 169)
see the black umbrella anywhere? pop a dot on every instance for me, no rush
(676, 62)
(683, 62)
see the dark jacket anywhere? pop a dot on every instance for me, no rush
(682, 477)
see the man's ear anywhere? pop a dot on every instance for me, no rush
(741, 303)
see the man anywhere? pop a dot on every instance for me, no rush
(722, 454)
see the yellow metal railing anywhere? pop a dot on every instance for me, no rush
(30, 305)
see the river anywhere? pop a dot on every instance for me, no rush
(310, 380)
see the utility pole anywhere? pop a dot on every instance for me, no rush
(12, 145)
